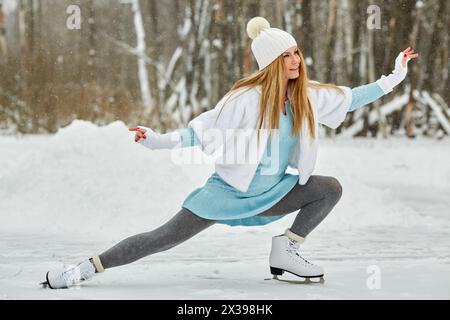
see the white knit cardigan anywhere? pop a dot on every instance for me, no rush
(240, 116)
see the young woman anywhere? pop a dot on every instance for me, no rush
(275, 114)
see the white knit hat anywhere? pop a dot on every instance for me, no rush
(268, 43)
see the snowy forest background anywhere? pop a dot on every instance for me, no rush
(160, 63)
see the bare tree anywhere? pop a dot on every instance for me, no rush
(408, 121)
(3, 48)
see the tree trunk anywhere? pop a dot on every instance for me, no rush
(331, 40)
(372, 78)
(140, 49)
(415, 73)
(91, 72)
(3, 48)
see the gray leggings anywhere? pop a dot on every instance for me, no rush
(315, 199)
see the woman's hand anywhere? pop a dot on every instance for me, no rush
(387, 83)
(408, 54)
(140, 133)
(154, 140)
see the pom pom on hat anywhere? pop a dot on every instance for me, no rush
(256, 25)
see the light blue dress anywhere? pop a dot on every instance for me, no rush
(217, 200)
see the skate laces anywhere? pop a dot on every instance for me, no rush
(294, 248)
(72, 275)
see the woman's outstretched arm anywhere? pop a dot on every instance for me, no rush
(365, 94)
(180, 138)
(368, 93)
(203, 130)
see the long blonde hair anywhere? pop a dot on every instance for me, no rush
(272, 96)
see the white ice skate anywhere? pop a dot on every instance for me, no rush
(68, 277)
(284, 256)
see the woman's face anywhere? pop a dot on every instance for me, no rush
(291, 63)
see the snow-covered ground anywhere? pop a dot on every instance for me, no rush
(67, 196)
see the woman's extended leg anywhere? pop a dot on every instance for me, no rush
(315, 200)
(180, 228)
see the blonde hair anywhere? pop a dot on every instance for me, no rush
(272, 96)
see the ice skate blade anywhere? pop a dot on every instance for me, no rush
(279, 272)
(304, 281)
(46, 283)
